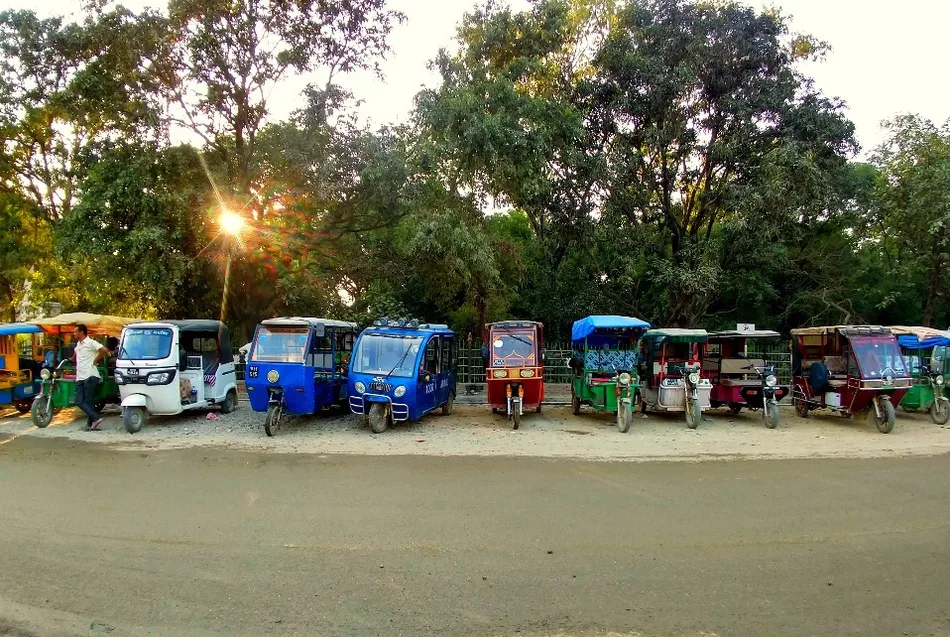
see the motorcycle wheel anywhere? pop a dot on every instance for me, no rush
(40, 412)
(940, 412)
(885, 422)
(378, 418)
(771, 415)
(272, 420)
(693, 414)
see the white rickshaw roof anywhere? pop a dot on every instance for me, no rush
(309, 321)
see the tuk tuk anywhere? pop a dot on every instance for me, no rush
(739, 381)
(297, 365)
(401, 370)
(58, 375)
(670, 367)
(604, 364)
(167, 367)
(19, 375)
(848, 369)
(514, 367)
(925, 353)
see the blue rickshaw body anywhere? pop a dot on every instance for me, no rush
(17, 385)
(426, 389)
(306, 386)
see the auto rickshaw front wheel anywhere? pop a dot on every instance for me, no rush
(272, 420)
(575, 403)
(378, 418)
(133, 418)
(693, 414)
(40, 412)
(230, 402)
(885, 422)
(624, 416)
(771, 415)
(515, 418)
(940, 411)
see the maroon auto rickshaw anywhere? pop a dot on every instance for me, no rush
(514, 367)
(741, 382)
(849, 369)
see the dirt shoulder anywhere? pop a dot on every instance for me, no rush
(556, 433)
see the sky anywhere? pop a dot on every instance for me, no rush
(884, 59)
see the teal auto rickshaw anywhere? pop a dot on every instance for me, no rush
(925, 352)
(604, 364)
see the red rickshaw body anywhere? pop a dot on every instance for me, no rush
(862, 362)
(515, 363)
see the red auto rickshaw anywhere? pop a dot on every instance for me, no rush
(849, 369)
(514, 367)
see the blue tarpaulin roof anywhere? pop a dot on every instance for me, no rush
(910, 341)
(9, 329)
(602, 330)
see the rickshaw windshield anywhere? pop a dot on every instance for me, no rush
(274, 344)
(145, 343)
(513, 348)
(878, 356)
(385, 353)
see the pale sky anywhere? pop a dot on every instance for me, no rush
(886, 58)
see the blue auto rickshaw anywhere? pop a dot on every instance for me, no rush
(298, 365)
(19, 375)
(402, 370)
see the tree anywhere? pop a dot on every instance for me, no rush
(913, 218)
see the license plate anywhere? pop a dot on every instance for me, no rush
(133, 372)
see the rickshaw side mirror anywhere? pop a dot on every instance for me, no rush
(182, 360)
(543, 357)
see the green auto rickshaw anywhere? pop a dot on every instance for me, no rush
(58, 388)
(926, 352)
(604, 364)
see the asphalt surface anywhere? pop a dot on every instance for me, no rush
(197, 542)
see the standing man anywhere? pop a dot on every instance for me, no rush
(88, 355)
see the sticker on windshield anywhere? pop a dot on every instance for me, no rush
(499, 343)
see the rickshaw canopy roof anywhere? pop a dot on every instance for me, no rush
(514, 324)
(97, 324)
(11, 329)
(731, 334)
(602, 329)
(309, 321)
(919, 337)
(677, 335)
(847, 330)
(207, 327)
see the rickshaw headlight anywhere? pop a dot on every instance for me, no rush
(624, 379)
(359, 387)
(500, 373)
(45, 374)
(273, 376)
(771, 380)
(400, 391)
(157, 379)
(527, 373)
(693, 378)
(939, 380)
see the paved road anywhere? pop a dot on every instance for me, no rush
(201, 542)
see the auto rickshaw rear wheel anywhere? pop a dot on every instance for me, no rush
(538, 410)
(230, 402)
(940, 412)
(575, 403)
(885, 422)
(735, 408)
(40, 412)
(23, 406)
(378, 418)
(449, 405)
(133, 418)
(801, 407)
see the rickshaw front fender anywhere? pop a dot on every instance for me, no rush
(376, 398)
(135, 400)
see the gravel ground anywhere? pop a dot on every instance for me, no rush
(556, 433)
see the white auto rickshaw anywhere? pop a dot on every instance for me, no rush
(166, 367)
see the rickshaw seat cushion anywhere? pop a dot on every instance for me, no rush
(837, 382)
